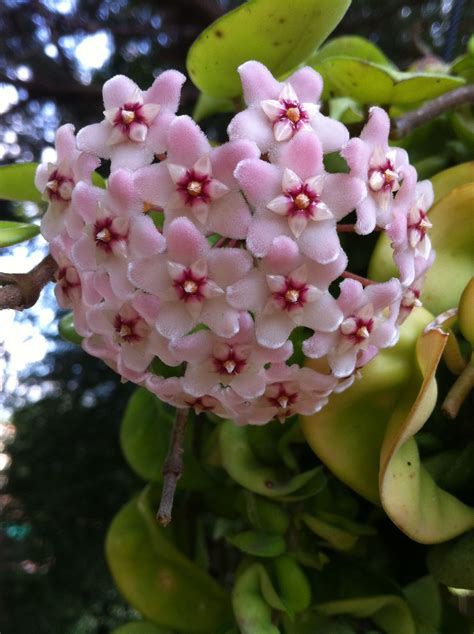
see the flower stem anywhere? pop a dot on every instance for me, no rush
(352, 276)
(459, 392)
(350, 228)
(173, 467)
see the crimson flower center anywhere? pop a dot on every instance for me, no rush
(189, 286)
(104, 235)
(383, 178)
(283, 400)
(129, 113)
(59, 187)
(421, 226)
(230, 365)
(293, 112)
(292, 295)
(195, 187)
(357, 329)
(303, 201)
(127, 329)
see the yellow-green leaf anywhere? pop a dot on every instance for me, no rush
(17, 182)
(281, 35)
(15, 232)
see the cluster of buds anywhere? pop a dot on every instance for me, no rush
(221, 261)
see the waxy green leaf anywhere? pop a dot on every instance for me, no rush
(15, 232)
(280, 35)
(66, 329)
(370, 83)
(452, 563)
(17, 182)
(259, 543)
(157, 579)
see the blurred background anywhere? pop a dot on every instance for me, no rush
(62, 476)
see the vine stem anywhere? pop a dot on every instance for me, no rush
(352, 276)
(401, 126)
(22, 290)
(350, 228)
(173, 467)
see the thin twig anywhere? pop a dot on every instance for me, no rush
(350, 228)
(352, 276)
(173, 467)
(459, 392)
(22, 290)
(405, 124)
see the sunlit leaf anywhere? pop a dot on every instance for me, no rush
(351, 46)
(370, 83)
(280, 35)
(15, 232)
(207, 106)
(17, 182)
(448, 179)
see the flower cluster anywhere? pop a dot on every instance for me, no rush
(205, 273)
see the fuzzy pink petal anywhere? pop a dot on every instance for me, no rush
(252, 124)
(342, 193)
(157, 137)
(230, 216)
(324, 314)
(144, 239)
(65, 142)
(226, 266)
(83, 253)
(366, 216)
(52, 223)
(226, 157)
(382, 295)
(118, 90)
(220, 317)
(85, 198)
(174, 320)
(321, 275)
(357, 154)
(41, 176)
(273, 330)
(320, 241)
(120, 187)
(343, 363)
(166, 90)
(377, 128)
(187, 142)
(130, 155)
(150, 274)
(406, 265)
(332, 134)
(319, 344)
(384, 335)
(194, 348)
(307, 84)
(147, 306)
(351, 296)
(283, 256)
(84, 166)
(260, 181)
(154, 184)
(258, 82)
(117, 269)
(249, 293)
(262, 232)
(303, 155)
(186, 244)
(200, 380)
(93, 138)
(249, 385)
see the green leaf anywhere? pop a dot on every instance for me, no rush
(339, 532)
(207, 106)
(66, 329)
(140, 627)
(259, 543)
(17, 182)
(144, 438)
(280, 35)
(452, 563)
(158, 580)
(371, 83)
(243, 466)
(424, 599)
(15, 232)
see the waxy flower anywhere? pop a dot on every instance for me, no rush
(286, 291)
(236, 362)
(279, 111)
(381, 167)
(296, 197)
(369, 324)
(190, 279)
(115, 228)
(56, 182)
(197, 181)
(135, 124)
(409, 228)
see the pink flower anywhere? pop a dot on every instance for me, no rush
(290, 390)
(127, 332)
(381, 167)
(197, 181)
(56, 181)
(190, 279)
(136, 122)
(366, 326)
(172, 391)
(410, 225)
(237, 362)
(115, 229)
(286, 291)
(297, 198)
(278, 111)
